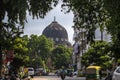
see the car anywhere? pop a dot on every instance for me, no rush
(44, 73)
(69, 72)
(116, 74)
(31, 71)
(75, 73)
(57, 72)
(38, 71)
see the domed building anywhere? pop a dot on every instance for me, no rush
(57, 33)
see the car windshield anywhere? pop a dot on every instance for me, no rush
(118, 70)
(30, 69)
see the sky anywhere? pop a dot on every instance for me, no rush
(36, 26)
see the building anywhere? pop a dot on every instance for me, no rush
(81, 35)
(57, 33)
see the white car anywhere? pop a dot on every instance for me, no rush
(75, 73)
(116, 74)
(31, 71)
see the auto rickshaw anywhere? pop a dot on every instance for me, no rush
(93, 73)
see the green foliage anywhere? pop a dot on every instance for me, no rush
(17, 10)
(61, 56)
(13, 17)
(20, 45)
(17, 63)
(113, 7)
(39, 49)
(98, 54)
(14, 12)
(20, 51)
(115, 48)
(89, 14)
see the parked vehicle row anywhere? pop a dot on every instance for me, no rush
(69, 72)
(91, 72)
(30, 71)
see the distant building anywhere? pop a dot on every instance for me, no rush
(57, 33)
(81, 35)
(106, 36)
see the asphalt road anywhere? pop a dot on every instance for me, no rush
(56, 78)
(52, 76)
(46, 78)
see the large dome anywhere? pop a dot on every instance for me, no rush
(56, 32)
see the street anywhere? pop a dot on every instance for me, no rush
(46, 78)
(56, 78)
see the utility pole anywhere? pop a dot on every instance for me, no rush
(80, 35)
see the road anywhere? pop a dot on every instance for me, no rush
(58, 78)
(46, 78)
(55, 78)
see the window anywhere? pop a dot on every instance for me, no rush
(57, 39)
(118, 70)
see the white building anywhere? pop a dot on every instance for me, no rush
(82, 36)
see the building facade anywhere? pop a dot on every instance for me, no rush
(57, 33)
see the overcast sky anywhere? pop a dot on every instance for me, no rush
(36, 26)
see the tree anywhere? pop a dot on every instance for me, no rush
(98, 54)
(88, 14)
(61, 56)
(20, 51)
(16, 11)
(39, 48)
(46, 46)
(113, 7)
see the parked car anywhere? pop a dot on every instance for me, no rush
(75, 73)
(57, 72)
(69, 72)
(44, 73)
(38, 71)
(116, 74)
(31, 71)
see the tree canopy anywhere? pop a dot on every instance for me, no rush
(15, 13)
(88, 14)
(39, 49)
(13, 17)
(61, 56)
(93, 14)
(98, 54)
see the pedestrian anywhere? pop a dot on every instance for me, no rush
(110, 73)
(58, 73)
(63, 74)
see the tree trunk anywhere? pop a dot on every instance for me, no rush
(2, 14)
(101, 35)
(0, 45)
(0, 50)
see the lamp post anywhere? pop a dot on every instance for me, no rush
(80, 35)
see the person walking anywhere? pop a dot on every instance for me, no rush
(110, 73)
(63, 74)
